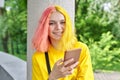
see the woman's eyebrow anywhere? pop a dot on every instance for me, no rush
(55, 21)
(52, 20)
(63, 20)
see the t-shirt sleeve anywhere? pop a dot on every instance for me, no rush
(35, 68)
(85, 71)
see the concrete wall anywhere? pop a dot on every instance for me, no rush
(12, 68)
(4, 75)
(1, 3)
(35, 8)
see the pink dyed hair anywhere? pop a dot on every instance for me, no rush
(40, 39)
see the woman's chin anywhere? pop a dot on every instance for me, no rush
(57, 38)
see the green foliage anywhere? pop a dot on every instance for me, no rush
(98, 25)
(91, 18)
(13, 27)
(116, 29)
(105, 55)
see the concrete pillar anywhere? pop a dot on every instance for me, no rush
(35, 9)
(1, 3)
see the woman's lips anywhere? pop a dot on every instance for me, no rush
(57, 33)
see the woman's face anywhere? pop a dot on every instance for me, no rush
(56, 25)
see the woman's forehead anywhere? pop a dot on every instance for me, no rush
(56, 15)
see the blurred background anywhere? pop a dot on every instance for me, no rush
(13, 27)
(98, 25)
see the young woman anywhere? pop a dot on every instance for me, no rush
(52, 38)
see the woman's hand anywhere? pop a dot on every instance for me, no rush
(61, 69)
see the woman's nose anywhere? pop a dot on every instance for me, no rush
(59, 26)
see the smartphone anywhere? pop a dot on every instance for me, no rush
(74, 53)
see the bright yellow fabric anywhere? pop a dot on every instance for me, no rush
(82, 72)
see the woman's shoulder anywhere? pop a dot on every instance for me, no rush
(37, 54)
(80, 44)
(84, 49)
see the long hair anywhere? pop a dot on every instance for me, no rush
(69, 38)
(40, 39)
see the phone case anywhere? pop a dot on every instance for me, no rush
(74, 53)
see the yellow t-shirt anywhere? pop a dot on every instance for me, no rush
(82, 72)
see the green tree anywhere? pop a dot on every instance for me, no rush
(97, 23)
(104, 56)
(94, 17)
(13, 26)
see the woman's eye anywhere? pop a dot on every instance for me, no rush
(62, 22)
(51, 23)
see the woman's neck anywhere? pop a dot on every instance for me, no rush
(54, 43)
